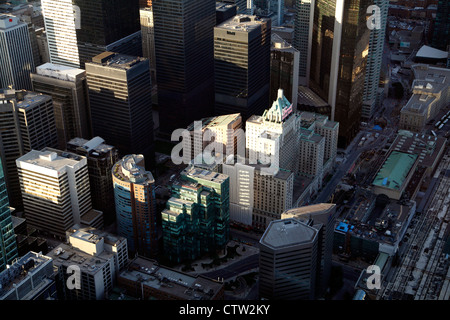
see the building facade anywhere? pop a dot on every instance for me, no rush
(135, 202)
(284, 70)
(8, 251)
(68, 88)
(184, 61)
(56, 192)
(339, 50)
(288, 260)
(196, 220)
(242, 66)
(27, 122)
(121, 102)
(16, 60)
(100, 160)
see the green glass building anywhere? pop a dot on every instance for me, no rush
(8, 245)
(196, 220)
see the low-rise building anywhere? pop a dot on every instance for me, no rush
(147, 279)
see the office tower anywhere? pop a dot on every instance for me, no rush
(16, 60)
(121, 104)
(108, 26)
(374, 62)
(288, 260)
(325, 214)
(68, 88)
(98, 257)
(226, 132)
(284, 68)
(242, 66)
(60, 25)
(184, 61)
(273, 137)
(55, 191)
(257, 198)
(270, 8)
(78, 30)
(224, 11)
(100, 160)
(27, 122)
(148, 38)
(340, 46)
(29, 278)
(8, 245)
(304, 14)
(311, 157)
(441, 34)
(241, 5)
(328, 129)
(136, 205)
(196, 220)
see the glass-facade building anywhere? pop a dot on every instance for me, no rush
(441, 33)
(183, 32)
(8, 245)
(196, 220)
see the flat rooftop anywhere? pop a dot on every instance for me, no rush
(116, 60)
(53, 159)
(185, 286)
(204, 174)
(242, 22)
(287, 232)
(395, 169)
(91, 146)
(218, 121)
(31, 99)
(59, 72)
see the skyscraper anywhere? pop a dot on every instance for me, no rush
(242, 66)
(374, 61)
(68, 88)
(27, 122)
(100, 160)
(56, 192)
(325, 214)
(441, 34)
(288, 260)
(78, 30)
(184, 61)
(284, 70)
(148, 38)
(8, 245)
(136, 205)
(120, 101)
(340, 46)
(16, 58)
(304, 14)
(196, 220)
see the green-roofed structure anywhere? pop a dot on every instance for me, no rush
(394, 175)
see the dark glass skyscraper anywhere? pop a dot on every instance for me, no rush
(340, 46)
(121, 104)
(184, 61)
(104, 22)
(8, 245)
(441, 34)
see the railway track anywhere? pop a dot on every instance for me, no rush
(423, 274)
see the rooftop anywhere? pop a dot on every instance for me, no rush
(187, 287)
(131, 169)
(59, 72)
(395, 169)
(53, 159)
(242, 22)
(207, 175)
(116, 60)
(93, 146)
(287, 232)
